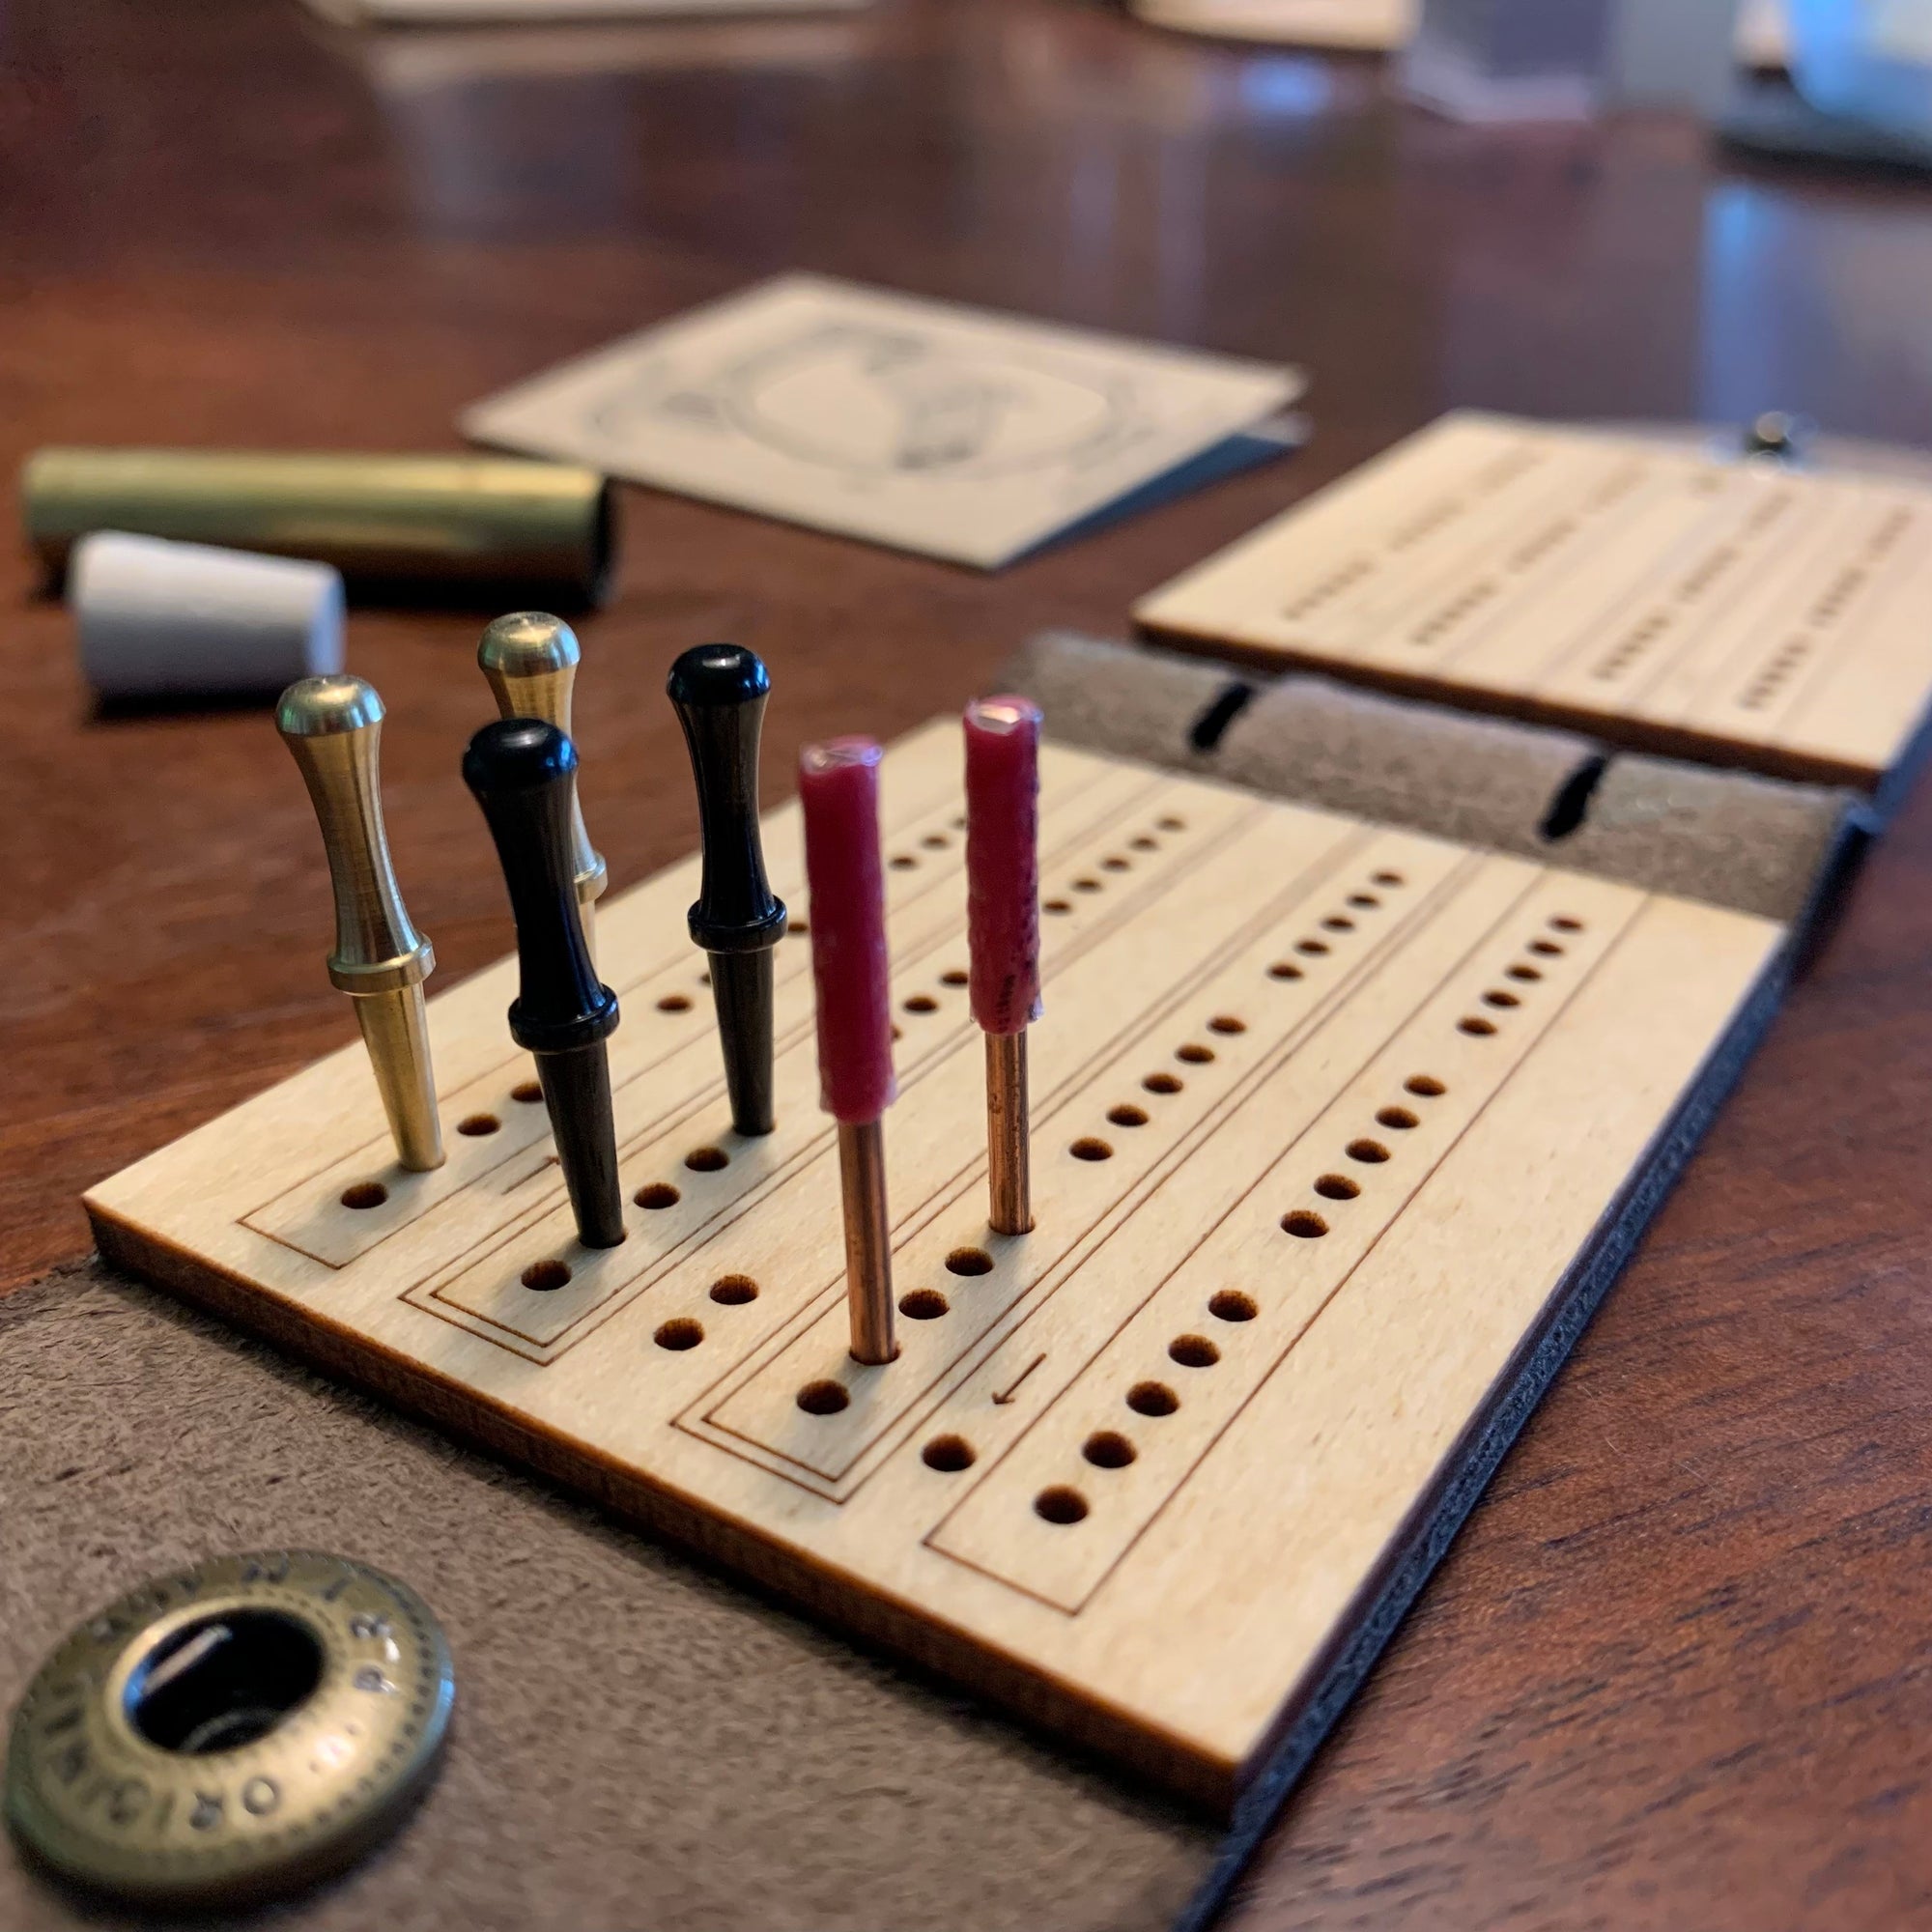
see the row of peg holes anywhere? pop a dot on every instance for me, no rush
(1109, 1449)
(1114, 862)
(1525, 973)
(1196, 1053)
(919, 1305)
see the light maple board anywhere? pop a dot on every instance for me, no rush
(1735, 613)
(1331, 1125)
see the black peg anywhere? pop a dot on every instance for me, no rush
(719, 691)
(524, 774)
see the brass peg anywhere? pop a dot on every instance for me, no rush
(334, 726)
(530, 659)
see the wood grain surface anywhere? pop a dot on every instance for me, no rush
(1677, 1671)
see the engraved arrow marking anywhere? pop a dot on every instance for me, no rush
(1008, 1395)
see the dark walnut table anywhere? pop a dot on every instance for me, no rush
(1678, 1670)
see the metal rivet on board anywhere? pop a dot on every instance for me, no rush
(230, 1731)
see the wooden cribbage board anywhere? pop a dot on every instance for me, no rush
(1737, 613)
(1334, 1126)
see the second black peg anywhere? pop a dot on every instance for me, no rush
(523, 773)
(719, 691)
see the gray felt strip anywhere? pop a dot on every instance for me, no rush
(1756, 845)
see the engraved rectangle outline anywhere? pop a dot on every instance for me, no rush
(974, 1354)
(926, 1542)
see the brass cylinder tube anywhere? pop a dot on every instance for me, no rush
(477, 519)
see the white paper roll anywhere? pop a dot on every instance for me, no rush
(160, 620)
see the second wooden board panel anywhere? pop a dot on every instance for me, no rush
(1735, 613)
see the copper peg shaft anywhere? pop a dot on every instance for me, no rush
(869, 1240)
(1009, 1166)
(334, 726)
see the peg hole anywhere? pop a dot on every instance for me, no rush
(956, 976)
(679, 1334)
(267, 1668)
(1547, 949)
(1476, 1024)
(477, 1125)
(969, 1261)
(527, 1091)
(674, 1003)
(1088, 1148)
(1364, 902)
(1194, 1053)
(1059, 1504)
(1108, 1449)
(1387, 879)
(923, 1304)
(797, 928)
(365, 1194)
(1315, 949)
(1227, 1023)
(1142, 843)
(935, 841)
(1193, 1352)
(1055, 905)
(1426, 1085)
(1127, 1116)
(1170, 823)
(903, 862)
(1338, 922)
(1372, 1154)
(1525, 973)
(657, 1194)
(546, 1277)
(825, 1398)
(1303, 1224)
(1337, 1187)
(734, 1291)
(1152, 1399)
(1086, 885)
(1162, 1083)
(922, 1003)
(949, 1454)
(1496, 996)
(1231, 1305)
(707, 1160)
(1285, 969)
(1399, 1118)
(1563, 923)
